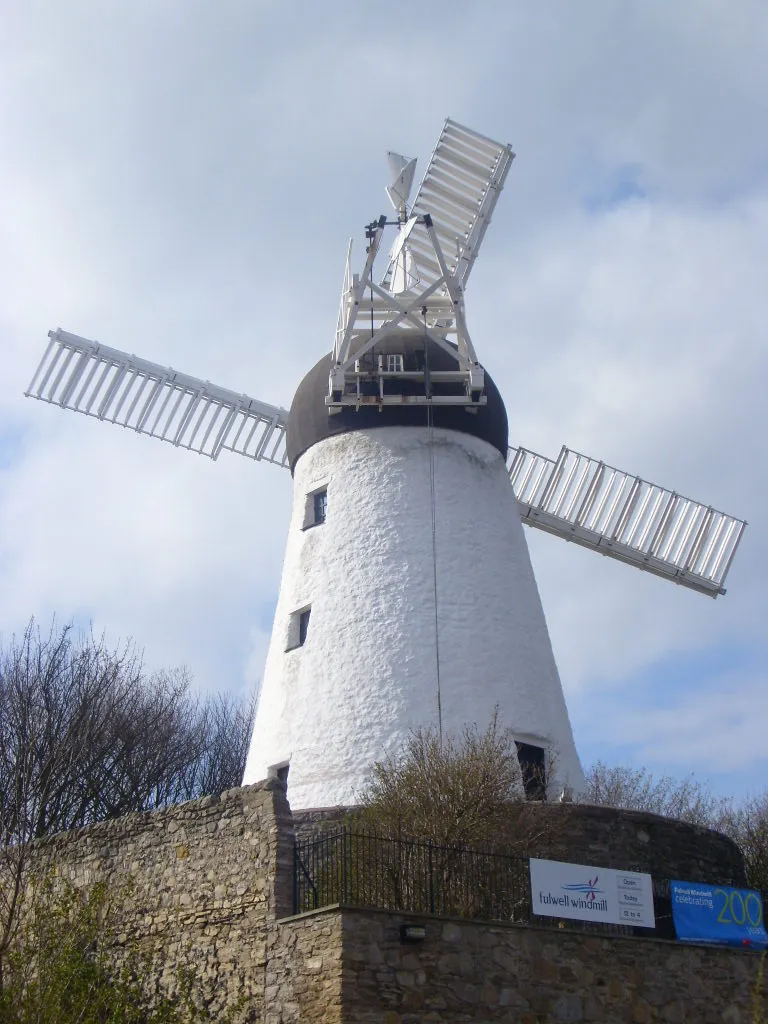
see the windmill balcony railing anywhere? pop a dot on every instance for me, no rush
(358, 869)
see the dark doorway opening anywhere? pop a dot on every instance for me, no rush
(532, 761)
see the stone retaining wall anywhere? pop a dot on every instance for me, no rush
(305, 972)
(472, 972)
(206, 888)
(195, 886)
(638, 841)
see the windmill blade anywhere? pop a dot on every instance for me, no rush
(465, 176)
(617, 514)
(91, 378)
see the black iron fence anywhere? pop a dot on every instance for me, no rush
(360, 869)
(365, 870)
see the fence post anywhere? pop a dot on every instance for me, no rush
(344, 865)
(295, 876)
(431, 879)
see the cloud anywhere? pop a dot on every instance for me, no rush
(183, 182)
(637, 340)
(716, 726)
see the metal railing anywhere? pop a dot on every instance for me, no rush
(362, 869)
(366, 870)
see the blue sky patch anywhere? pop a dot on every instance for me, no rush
(616, 188)
(10, 445)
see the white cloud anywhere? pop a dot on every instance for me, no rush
(638, 340)
(722, 727)
(183, 181)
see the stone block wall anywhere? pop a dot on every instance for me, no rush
(603, 836)
(472, 972)
(305, 972)
(636, 841)
(206, 888)
(195, 887)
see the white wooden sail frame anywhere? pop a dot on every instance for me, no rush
(99, 381)
(625, 517)
(574, 496)
(443, 233)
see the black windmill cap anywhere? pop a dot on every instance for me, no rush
(309, 421)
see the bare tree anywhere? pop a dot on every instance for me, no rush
(747, 825)
(87, 734)
(638, 789)
(226, 724)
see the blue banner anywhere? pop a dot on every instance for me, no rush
(718, 914)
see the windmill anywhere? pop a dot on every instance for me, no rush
(407, 596)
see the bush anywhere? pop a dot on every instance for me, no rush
(637, 789)
(56, 969)
(457, 791)
(65, 965)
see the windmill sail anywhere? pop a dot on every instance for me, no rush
(574, 497)
(617, 514)
(459, 192)
(103, 382)
(422, 290)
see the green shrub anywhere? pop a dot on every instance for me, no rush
(64, 966)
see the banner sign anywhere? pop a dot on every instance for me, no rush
(591, 894)
(718, 914)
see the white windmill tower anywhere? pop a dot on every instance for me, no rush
(407, 596)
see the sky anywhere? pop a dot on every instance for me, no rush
(179, 180)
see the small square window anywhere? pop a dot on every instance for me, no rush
(394, 363)
(315, 507)
(298, 626)
(320, 506)
(303, 625)
(279, 771)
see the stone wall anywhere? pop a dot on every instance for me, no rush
(471, 972)
(637, 841)
(206, 888)
(305, 973)
(196, 887)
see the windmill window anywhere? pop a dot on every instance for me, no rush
(315, 507)
(279, 771)
(532, 761)
(303, 626)
(395, 362)
(320, 503)
(298, 627)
